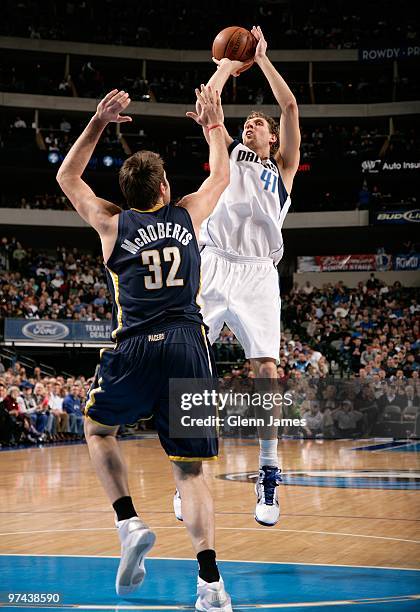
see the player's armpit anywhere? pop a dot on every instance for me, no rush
(95, 211)
(201, 204)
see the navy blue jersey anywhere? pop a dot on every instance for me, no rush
(154, 271)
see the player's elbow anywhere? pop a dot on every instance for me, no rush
(65, 180)
(61, 177)
(291, 107)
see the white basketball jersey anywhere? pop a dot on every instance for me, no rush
(249, 215)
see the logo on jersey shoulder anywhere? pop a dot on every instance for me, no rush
(155, 337)
(250, 156)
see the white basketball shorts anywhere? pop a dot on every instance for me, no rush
(244, 293)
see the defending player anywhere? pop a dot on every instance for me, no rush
(243, 244)
(152, 263)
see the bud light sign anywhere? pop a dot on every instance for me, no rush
(397, 216)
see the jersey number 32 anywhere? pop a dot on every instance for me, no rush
(152, 259)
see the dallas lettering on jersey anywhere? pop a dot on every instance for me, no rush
(250, 156)
(159, 231)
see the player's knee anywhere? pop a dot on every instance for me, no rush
(267, 369)
(93, 429)
(185, 470)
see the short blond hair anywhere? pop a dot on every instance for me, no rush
(273, 126)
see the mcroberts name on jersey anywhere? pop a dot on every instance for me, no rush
(151, 233)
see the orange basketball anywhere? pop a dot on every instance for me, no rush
(236, 43)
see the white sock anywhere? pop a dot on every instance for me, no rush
(268, 453)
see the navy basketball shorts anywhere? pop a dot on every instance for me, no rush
(132, 383)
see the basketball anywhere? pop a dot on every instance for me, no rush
(235, 43)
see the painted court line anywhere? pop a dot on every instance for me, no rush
(277, 606)
(381, 567)
(257, 529)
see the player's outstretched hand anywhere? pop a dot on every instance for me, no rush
(209, 107)
(261, 49)
(236, 67)
(112, 105)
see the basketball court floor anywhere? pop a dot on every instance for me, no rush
(348, 537)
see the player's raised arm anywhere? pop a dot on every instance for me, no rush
(288, 154)
(100, 214)
(201, 203)
(225, 68)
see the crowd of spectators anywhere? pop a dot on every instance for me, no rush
(324, 142)
(62, 138)
(370, 330)
(371, 333)
(92, 79)
(62, 285)
(330, 408)
(40, 409)
(307, 24)
(367, 337)
(322, 147)
(45, 201)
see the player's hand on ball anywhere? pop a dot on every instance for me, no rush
(236, 67)
(209, 107)
(261, 49)
(112, 105)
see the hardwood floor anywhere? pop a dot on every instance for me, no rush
(52, 503)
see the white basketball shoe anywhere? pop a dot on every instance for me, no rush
(136, 541)
(267, 510)
(177, 505)
(212, 597)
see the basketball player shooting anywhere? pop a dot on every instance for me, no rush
(152, 262)
(243, 244)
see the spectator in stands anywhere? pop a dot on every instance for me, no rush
(55, 405)
(314, 420)
(411, 405)
(65, 125)
(19, 123)
(3, 390)
(348, 421)
(10, 428)
(36, 413)
(10, 401)
(13, 403)
(19, 255)
(72, 406)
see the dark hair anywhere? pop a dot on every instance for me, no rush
(140, 178)
(273, 126)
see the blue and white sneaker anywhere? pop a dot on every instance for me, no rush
(267, 510)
